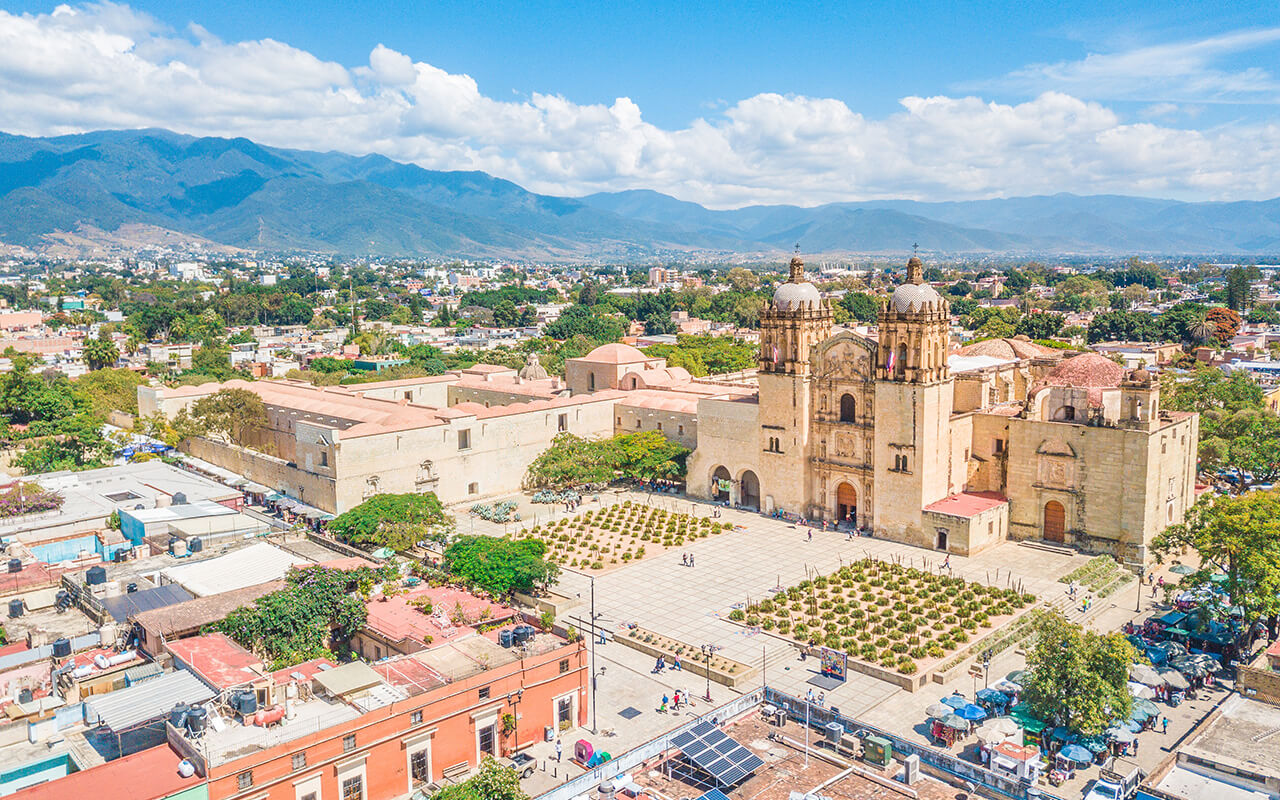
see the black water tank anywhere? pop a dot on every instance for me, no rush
(62, 599)
(178, 715)
(179, 499)
(172, 541)
(505, 638)
(197, 719)
(61, 647)
(195, 545)
(248, 702)
(25, 696)
(15, 607)
(95, 575)
(15, 565)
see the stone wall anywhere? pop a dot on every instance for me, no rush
(1257, 682)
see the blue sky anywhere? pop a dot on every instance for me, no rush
(722, 103)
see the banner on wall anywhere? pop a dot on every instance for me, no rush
(835, 664)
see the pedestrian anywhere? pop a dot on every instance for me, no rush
(811, 534)
(675, 664)
(663, 707)
(559, 749)
(1135, 747)
(809, 697)
(1153, 590)
(1160, 582)
(822, 698)
(691, 559)
(1164, 723)
(946, 562)
(684, 559)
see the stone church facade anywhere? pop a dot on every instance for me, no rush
(953, 451)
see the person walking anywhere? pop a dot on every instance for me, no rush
(559, 750)
(691, 559)
(811, 534)
(946, 562)
(1164, 723)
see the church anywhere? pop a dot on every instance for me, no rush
(949, 450)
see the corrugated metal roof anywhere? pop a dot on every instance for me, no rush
(123, 606)
(257, 563)
(142, 672)
(123, 709)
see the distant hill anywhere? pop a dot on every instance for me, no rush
(236, 193)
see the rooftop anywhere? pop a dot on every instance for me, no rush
(1234, 738)
(201, 611)
(145, 775)
(257, 563)
(397, 618)
(967, 504)
(218, 661)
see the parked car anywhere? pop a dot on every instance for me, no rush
(523, 764)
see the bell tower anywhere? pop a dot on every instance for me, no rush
(914, 332)
(797, 320)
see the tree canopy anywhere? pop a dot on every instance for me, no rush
(493, 781)
(1078, 678)
(500, 566)
(1235, 535)
(397, 521)
(231, 415)
(573, 461)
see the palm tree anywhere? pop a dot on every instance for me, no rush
(1202, 330)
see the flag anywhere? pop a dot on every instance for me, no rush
(775, 352)
(889, 364)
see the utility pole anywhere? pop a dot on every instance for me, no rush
(592, 634)
(1142, 574)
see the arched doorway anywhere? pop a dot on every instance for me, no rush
(1055, 521)
(750, 490)
(846, 503)
(720, 483)
(848, 408)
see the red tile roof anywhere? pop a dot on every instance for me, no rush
(967, 504)
(396, 620)
(147, 775)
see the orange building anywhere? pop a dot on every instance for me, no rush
(376, 732)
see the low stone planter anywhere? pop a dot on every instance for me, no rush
(724, 671)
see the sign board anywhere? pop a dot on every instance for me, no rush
(835, 664)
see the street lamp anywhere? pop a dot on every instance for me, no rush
(592, 634)
(515, 715)
(706, 651)
(1142, 574)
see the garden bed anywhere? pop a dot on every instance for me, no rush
(724, 671)
(607, 538)
(886, 616)
(1102, 576)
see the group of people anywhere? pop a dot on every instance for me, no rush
(818, 699)
(662, 664)
(687, 559)
(678, 701)
(1086, 601)
(1156, 584)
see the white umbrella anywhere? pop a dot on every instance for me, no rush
(1007, 687)
(1141, 673)
(998, 729)
(1139, 690)
(1174, 679)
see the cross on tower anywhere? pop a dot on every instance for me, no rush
(915, 249)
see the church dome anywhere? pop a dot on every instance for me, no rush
(797, 294)
(915, 295)
(615, 353)
(1091, 371)
(533, 369)
(910, 298)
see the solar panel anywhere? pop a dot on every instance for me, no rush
(715, 753)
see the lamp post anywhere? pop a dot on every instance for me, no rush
(592, 634)
(1142, 574)
(515, 716)
(706, 651)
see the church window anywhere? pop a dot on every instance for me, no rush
(848, 408)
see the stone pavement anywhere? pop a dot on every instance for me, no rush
(692, 604)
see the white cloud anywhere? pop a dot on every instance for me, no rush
(1179, 72)
(108, 66)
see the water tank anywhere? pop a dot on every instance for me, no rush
(505, 638)
(15, 607)
(62, 599)
(248, 702)
(195, 545)
(25, 696)
(197, 719)
(186, 769)
(173, 542)
(15, 565)
(178, 715)
(523, 633)
(179, 499)
(101, 661)
(61, 647)
(179, 549)
(95, 576)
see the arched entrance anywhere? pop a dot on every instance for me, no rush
(848, 408)
(846, 503)
(1055, 521)
(750, 490)
(720, 484)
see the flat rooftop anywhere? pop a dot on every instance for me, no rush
(235, 740)
(1242, 737)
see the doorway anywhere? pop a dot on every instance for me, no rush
(1055, 522)
(942, 539)
(720, 485)
(750, 490)
(846, 504)
(486, 740)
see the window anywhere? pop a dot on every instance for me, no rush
(591, 381)
(966, 454)
(353, 788)
(299, 761)
(487, 740)
(308, 796)
(415, 718)
(484, 692)
(420, 767)
(637, 423)
(377, 653)
(464, 440)
(324, 458)
(999, 446)
(408, 395)
(348, 743)
(244, 780)
(848, 408)
(619, 422)
(564, 665)
(562, 424)
(659, 426)
(473, 488)
(680, 430)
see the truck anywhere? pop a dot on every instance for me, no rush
(1118, 782)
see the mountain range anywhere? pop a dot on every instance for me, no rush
(239, 194)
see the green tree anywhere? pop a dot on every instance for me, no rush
(231, 415)
(493, 781)
(1040, 325)
(1238, 536)
(101, 352)
(500, 566)
(398, 521)
(862, 306)
(648, 455)
(571, 461)
(110, 390)
(1078, 678)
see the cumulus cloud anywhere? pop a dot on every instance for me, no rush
(108, 66)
